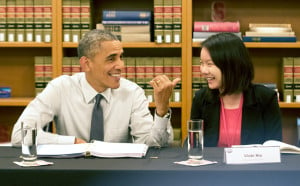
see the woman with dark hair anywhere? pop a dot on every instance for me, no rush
(235, 111)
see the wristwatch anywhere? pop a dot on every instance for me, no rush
(167, 115)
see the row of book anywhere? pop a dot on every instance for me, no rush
(42, 72)
(143, 69)
(203, 29)
(129, 25)
(291, 79)
(257, 32)
(76, 19)
(25, 20)
(167, 21)
(140, 70)
(260, 32)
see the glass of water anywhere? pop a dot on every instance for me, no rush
(195, 139)
(29, 140)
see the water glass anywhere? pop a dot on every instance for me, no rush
(195, 139)
(29, 140)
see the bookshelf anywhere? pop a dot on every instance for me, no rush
(266, 56)
(18, 71)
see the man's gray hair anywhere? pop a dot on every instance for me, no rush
(90, 44)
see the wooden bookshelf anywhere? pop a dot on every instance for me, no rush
(266, 56)
(17, 70)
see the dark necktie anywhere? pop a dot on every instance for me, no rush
(97, 121)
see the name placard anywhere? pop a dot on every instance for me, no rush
(252, 155)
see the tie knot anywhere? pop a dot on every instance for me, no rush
(98, 98)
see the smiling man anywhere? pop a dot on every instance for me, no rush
(69, 100)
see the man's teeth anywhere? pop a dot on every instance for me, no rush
(116, 75)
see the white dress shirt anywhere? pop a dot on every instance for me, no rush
(69, 101)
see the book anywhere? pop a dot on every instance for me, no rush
(133, 37)
(126, 15)
(270, 27)
(20, 21)
(85, 17)
(287, 78)
(124, 28)
(177, 21)
(206, 26)
(11, 20)
(257, 33)
(67, 20)
(38, 21)
(208, 34)
(158, 13)
(96, 149)
(29, 21)
(2, 21)
(296, 79)
(75, 20)
(285, 148)
(168, 21)
(125, 22)
(47, 21)
(269, 39)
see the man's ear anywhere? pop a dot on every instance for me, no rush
(84, 63)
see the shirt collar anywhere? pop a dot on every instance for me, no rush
(89, 92)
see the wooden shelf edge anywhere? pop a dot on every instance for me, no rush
(19, 101)
(133, 45)
(289, 105)
(264, 44)
(25, 44)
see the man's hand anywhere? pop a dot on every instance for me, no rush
(163, 88)
(78, 140)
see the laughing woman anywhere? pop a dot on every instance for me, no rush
(235, 111)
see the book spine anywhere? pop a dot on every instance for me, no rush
(177, 20)
(168, 67)
(140, 71)
(20, 20)
(75, 19)
(200, 26)
(47, 20)
(130, 68)
(287, 78)
(168, 21)
(125, 28)
(176, 73)
(29, 21)
(208, 34)
(149, 75)
(2, 21)
(276, 34)
(139, 22)
(281, 25)
(158, 21)
(66, 11)
(269, 39)
(48, 70)
(85, 12)
(67, 66)
(38, 20)
(11, 20)
(296, 79)
(39, 74)
(158, 66)
(196, 75)
(119, 15)
(75, 66)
